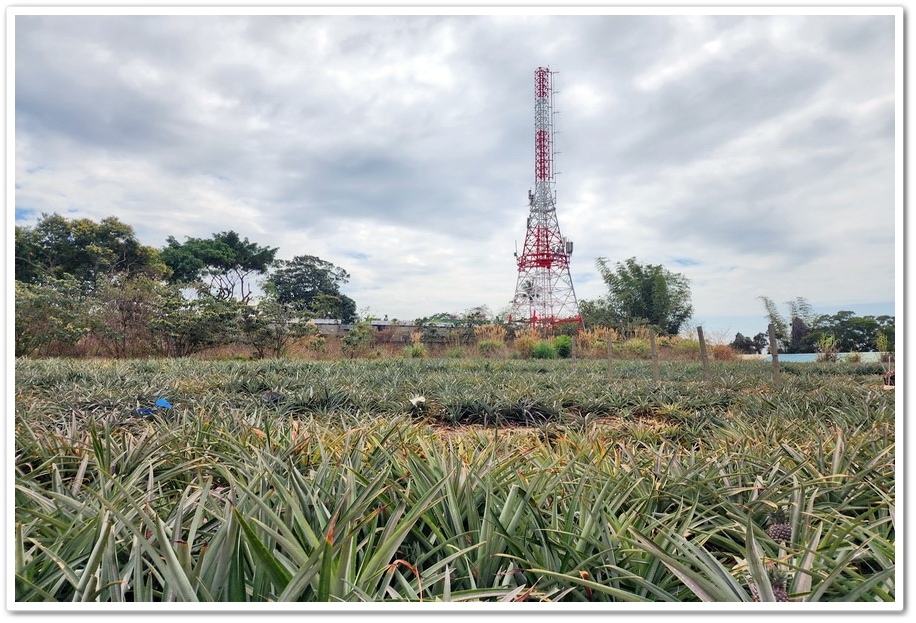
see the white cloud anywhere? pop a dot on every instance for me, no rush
(754, 154)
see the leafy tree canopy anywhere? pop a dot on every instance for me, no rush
(792, 335)
(310, 284)
(854, 333)
(747, 345)
(647, 294)
(57, 248)
(804, 330)
(222, 263)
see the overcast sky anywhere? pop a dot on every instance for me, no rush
(753, 154)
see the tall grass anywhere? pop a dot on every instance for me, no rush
(509, 481)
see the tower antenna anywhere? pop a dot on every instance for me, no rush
(544, 294)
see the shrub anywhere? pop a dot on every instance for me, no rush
(563, 344)
(690, 348)
(595, 339)
(455, 352)
(723, 352)
(544, 350)
(316, 343)
(490, 347)
(357, 340)
(415, 351)
(827, 348)
(636, 347)
(525, 344)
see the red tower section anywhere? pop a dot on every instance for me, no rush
(544, 293)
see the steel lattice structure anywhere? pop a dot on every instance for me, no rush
(544, 294)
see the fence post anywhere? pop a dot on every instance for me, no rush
(774, 351)
(609, 346)
(654, 355)
(703, 354)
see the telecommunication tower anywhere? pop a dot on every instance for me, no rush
(544, 294)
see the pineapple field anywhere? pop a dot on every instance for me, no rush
(452, 480)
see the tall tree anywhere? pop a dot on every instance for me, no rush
(222, 264)
(645, 294)
(86, 250)
(311, 284)
(795, 334)
(853, 333)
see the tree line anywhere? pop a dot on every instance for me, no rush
(803, 331)
(80, 280)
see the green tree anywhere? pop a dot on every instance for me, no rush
(47, 313)
(743, 344)
(646, 294)
(597, 313)
(185, 326)
(761, 341)
(83, 249)
(853, 333)
(358, 338)
(121, 313)
(272, 327)
(223, 264)
(309, 283)
(792, 335)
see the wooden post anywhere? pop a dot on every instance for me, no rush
(654, 355)
(703, 354)
(572, 347)
(774, 351)
(609, 346)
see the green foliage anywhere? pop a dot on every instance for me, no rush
(644, 294)
(272, 327)
(490, 347)
(598, 313)
(637, 347)
(48, 313)
(311, 284)
(563, 345)
(827, 348)
(544, 350)
(455, 352)
(358, 339)
(223, 264)
(121, 315)
(455, 328)
(688, 347)
(185, 326)
(608, 490)
(791, 335)
(415, 351)
(85, 250)
(803, 332)
(854, 333)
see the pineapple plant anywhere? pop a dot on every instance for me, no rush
(778, 582)
(778, 526)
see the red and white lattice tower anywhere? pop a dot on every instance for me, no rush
(544, 294)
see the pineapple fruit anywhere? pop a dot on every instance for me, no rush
(778, 582)
(778, 526)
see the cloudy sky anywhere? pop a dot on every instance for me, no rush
(753, 154)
